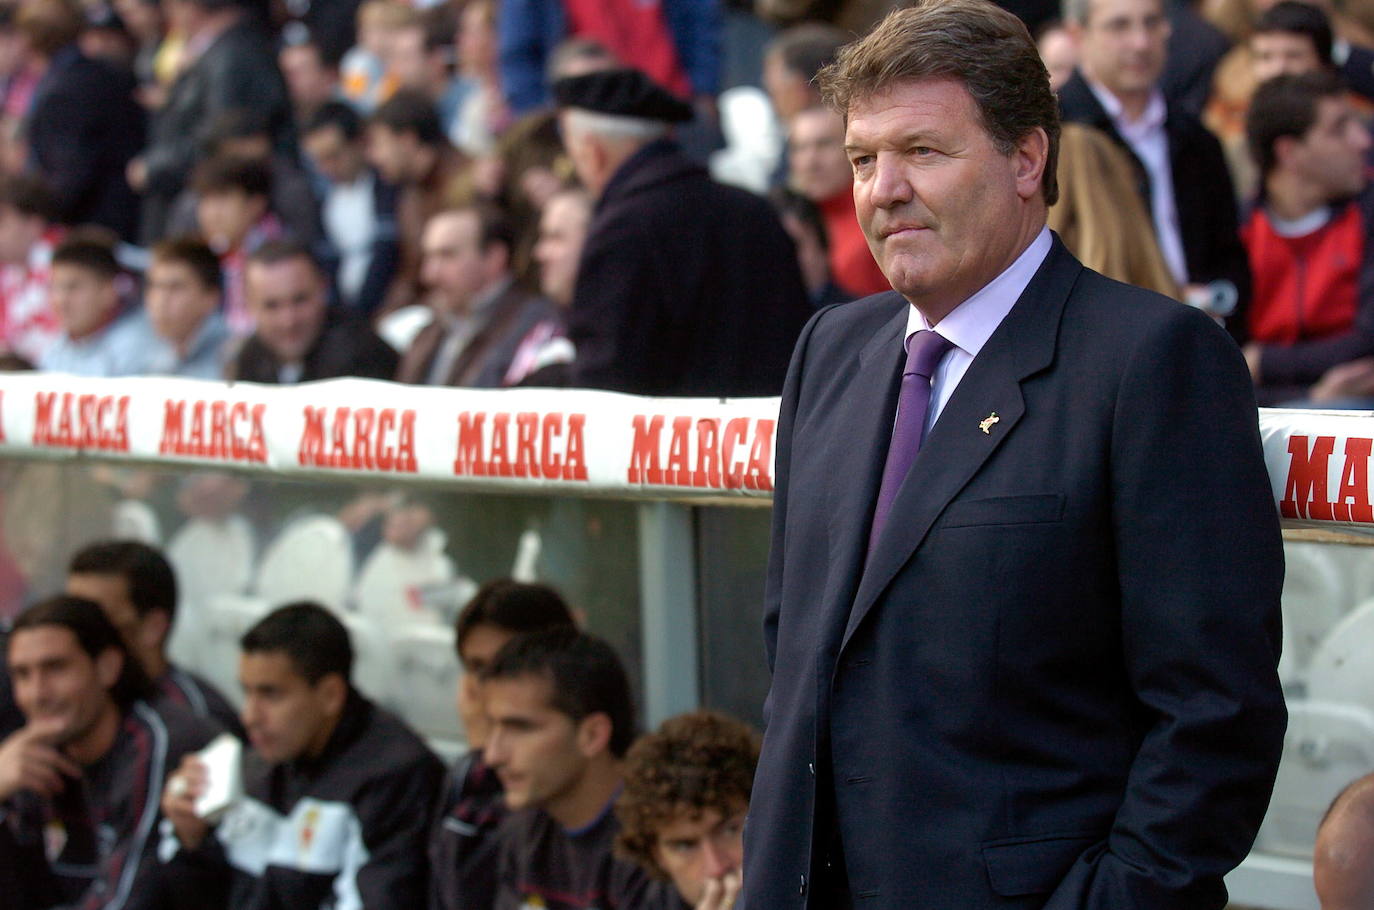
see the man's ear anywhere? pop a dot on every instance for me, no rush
(153, 630)
(1029, 159)
(594, 735)
(109, 664)
(332, 690)
(1284, 147)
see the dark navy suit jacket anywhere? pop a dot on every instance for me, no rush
(1053, 684)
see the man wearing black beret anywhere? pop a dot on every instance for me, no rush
(686, 287)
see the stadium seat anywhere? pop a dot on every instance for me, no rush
(134, 519)
(390, 581)
(1342, 668)
(210, 558)
(311, 559)
(373, 663)
(227, 617)
(426, 669)
(1316, 594)
(1327, 746)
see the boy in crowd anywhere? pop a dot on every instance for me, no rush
(28, 237)
(234, 214)
(338, 793)
(96, 340)
(682, 812)
(136, 587)
(297, 336)
(187, 335)
(561, 721)
(463, 847)
(79, 781)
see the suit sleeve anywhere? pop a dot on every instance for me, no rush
(610, 328)
(1200, 568)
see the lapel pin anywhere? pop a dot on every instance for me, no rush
(986, 423)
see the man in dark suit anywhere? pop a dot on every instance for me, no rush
(83, 125)
(1180, 167)
(480, 313)
(297, 336)
(1023, 636)
(685, 286)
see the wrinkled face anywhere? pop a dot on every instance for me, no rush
(562, 231)
(308, 80)
(816, 157)
(18, 232)
(943, 209)
(55, 680)
(287, 300)
(479, 647)
(699, 846)
(453, 265)
(286, 716)
(391, 153)
(225, 216)
(1123, 43)
(176, 302)
(83, 300)
(1276, 53)
(533, 747)
(339, 160)
(1331, 154)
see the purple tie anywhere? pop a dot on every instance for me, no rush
(922, 356)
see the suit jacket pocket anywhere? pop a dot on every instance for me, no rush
(1022, 865)
(1004, 510)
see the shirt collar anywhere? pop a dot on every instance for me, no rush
(971, 323)
(1156, 111)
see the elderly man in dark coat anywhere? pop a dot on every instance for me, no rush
(685, 287)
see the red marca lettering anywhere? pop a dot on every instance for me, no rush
(1305, 491)
(525, 444)
(359, 439)
(88, 422)
(1352, 497)
(218, 430)
(702, 454)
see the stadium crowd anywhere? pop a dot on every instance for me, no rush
(501, 193)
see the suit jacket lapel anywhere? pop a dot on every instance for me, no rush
(956, 447)
(858, 449)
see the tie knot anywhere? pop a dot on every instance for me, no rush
(924, 353)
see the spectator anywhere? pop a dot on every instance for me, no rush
(480, 315)
(480, 111)
(87, 765)
(463, 848)
(28, 324)
(1343, 862)
(675, 42)
(802, 221)
(228, 63)
(84, 125)
(298, 337)
(1181, 171)
(665, 267)
(791, 62)
(96, 339)
(820, 170)
(1311, 325)
(234, 214)
(325, 760)
(1100, 217)
(561, 720)
(312, 80)
(143, 19)
(544, 354)
(358, 210)
(421, 57)
(243, 134)
(185, 333)
(407, 147)
(1058, 51)
(682, 812)
(135, 586)
(363, 70)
